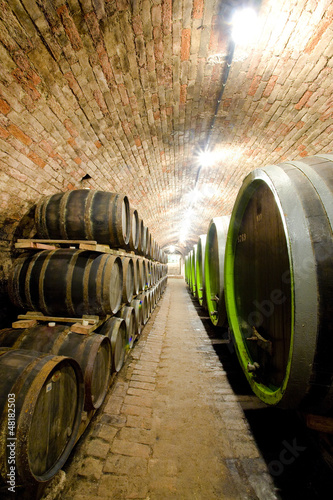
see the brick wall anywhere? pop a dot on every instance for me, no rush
(123, 91)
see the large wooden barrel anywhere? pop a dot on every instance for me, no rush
(85, 214)
(44, 395)
(279, 282)
(214, 269)
(67, 282)
(92, 352)
(115, 329)
(127, 313)
(200, 271)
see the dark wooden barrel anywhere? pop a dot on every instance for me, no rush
(92, 352)
(279, 282)
(214, 269)
(200, 271)
(47, 393)
(85, 214)
(128, 279)
(127, 313)
(137, 306)
(67, 282)
(115, 329)
(134, 231)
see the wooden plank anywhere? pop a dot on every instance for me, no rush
(319, 423)
(25, 323)
(69, 242)
(38, 246)
(96, 247)
(83, 329)
(40, 317)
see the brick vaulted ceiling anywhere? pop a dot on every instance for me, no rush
(124, 92)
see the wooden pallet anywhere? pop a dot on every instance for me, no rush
(41, 244)
(85, 325)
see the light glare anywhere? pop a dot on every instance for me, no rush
(244, 26)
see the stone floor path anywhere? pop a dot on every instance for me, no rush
(171, 426)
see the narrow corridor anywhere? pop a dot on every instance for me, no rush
(171, 426)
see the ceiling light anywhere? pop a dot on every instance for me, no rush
(206, 158)
(172, 249)
(244, 26)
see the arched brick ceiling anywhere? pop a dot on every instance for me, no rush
(125, 91)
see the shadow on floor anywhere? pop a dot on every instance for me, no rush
(301, 468)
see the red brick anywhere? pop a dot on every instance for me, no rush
(3, 133)
(304, 99)
(101, 102)
(137, 141)
(185, 44)
(72, 142)
(137, 25)
(270, 86)
(78, 161)
(92, 23)
(98, 144)
(166, 16)
(183, 93)
(197, 9)
(70, 128)
(4, 107)
(36, 159)
(21, 136)
(254, 85)
(70, 28)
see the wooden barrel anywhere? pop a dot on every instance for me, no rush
(142, 246)
(128, 279)
(137, 281)
(127, 314)
(193, 270)
(115, 329)
(279, 282)
(85, 214)
(142, 297)
(142, 272)
(137, 306)
(67, 282)
(44, 395)
(200, 271)
(92, 352)
(134, 231)
(189, 270)
(214, 269)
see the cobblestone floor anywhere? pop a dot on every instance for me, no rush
(171, 426)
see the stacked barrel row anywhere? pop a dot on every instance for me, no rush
(52, 374)
(99, 216)
(269, 276)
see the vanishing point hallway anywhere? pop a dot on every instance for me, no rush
(171, 426)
